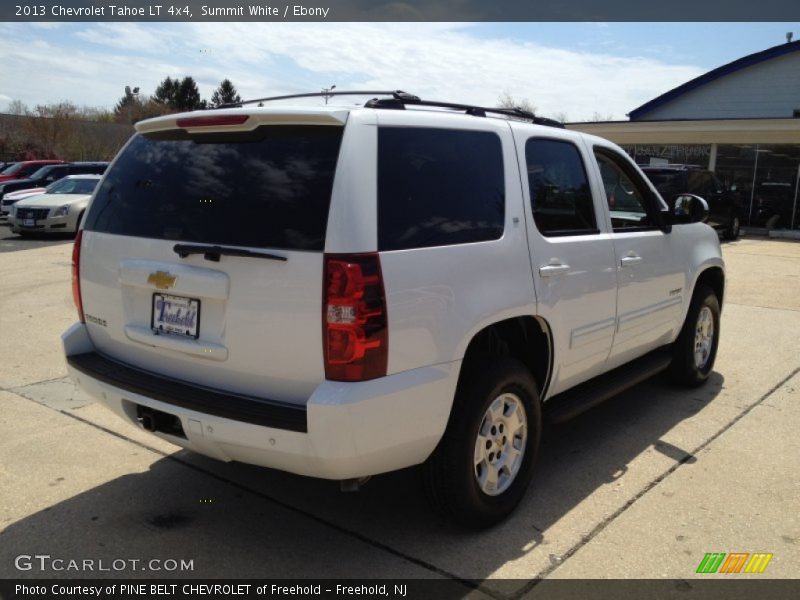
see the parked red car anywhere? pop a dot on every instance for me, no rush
(21, 170)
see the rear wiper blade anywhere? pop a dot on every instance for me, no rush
(214, 252)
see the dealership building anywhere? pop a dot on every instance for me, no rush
(741, 120)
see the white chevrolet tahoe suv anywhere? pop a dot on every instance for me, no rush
(345, 291)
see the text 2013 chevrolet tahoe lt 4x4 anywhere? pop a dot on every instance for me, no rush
(340, 292)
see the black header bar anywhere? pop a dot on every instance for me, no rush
(399, 10)
(732, 588)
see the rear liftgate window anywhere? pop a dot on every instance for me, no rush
(438, 187)
(266, 188)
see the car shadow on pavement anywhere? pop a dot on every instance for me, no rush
(12, 242)
(237, 520)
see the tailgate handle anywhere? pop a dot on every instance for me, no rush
(214, 252)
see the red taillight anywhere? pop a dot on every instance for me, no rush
(212, 120)
(76, 275)
(355, 335)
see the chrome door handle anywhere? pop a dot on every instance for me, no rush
(629, 261)
(551, 270)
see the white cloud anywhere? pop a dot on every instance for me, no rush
(435, 60)
(46, 25)
(447, 62)
(40, 72)
(132, 37)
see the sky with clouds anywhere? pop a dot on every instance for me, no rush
(572, 69)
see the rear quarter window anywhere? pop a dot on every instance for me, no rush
(266, 188)
(438, 187)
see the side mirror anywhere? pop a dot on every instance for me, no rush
(690, 209)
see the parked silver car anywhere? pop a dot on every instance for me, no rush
(58, 210)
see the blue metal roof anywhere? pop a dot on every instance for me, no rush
(737, 65)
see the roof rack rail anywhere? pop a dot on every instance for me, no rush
(399, 100)
(328, 94)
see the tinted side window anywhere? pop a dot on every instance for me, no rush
(269, 188)
(668, 183)
(561, 200)
(700, 183)
(438, 187)
(87, 169)
(57, 173)
(627, 197)
(28, 170)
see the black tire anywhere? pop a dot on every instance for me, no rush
(684, 368)
(733, 229)
(451, 482)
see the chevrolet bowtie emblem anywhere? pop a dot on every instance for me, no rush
(162, 280)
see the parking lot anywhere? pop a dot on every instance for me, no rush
(640, 487)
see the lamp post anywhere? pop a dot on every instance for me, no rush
(794, 204)
(753, 189)
(131, 94)
(326, 93)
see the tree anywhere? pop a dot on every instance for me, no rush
(17, 107)
(52, 126)
(506, 100)
(225, 94)
(61, 130)
(128, 107)
(187, 96)
(166, 92)
(179, 95)
(131, 109)
(597, 117)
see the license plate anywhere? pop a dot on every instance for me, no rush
(176, 315)
(28, 222)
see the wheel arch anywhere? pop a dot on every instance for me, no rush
(714, 277)
(526, 337)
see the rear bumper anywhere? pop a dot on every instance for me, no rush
(345, 430)
(255, 411)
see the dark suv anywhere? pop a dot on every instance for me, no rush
(725, 205)
(774, 203)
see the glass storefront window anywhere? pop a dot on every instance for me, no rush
(767, 177)
(764, 176)
(670, 154)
